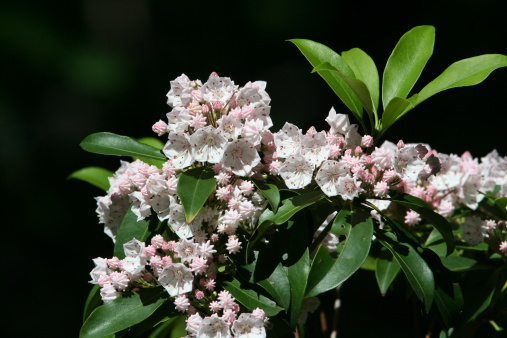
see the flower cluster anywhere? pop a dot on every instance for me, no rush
(342, 163)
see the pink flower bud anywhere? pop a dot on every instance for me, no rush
(160, 128)
(400, 144)
(366, 141)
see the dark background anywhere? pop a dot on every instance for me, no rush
(72, 68)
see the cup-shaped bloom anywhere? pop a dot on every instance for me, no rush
(296, 172)
(176, 278)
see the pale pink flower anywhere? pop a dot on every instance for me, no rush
(178, 150)
(181, 303)
(226, 300)
(366, 141)
(328, 175)
(198, 265)
(193, 324)
(207, 145)
(503, 247)
(177, 279)
(217, 89)
(314, 148)
(214, 326)
(207, 250)
(412, 218)
(296, 172)
(178, 119)
(209, 284)
(381, 189)
(246, 188)
(288, 141)
(348, 187)
(229, 316)
(230, 126)
(160, 128)
(233, 245)
(215, 306)
(197, 121)
(339, 123)
(240, 156)
(186, 250)
(179, 95)
(108, 293)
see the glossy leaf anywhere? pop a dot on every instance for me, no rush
(155, 143)
(317, 54)
(277, 285)
(396, 108)
(407, 62)
(298, 277)
(328, 272)
(112, 144)
(365, 70)
(251, 299)
(294, 204)
(458, 263)
(449, 305)
(131, 228)
(437, 220)
(358, 87)
(270, 192)
(467, 72)
(123, 312)
(416, 270)
(96, 176)
(194, 187)
(92, 301)
(386, 270)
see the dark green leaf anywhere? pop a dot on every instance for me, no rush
(358, 87)
(172, 328)
(112, 144)
(298, 277)
(194, 187)
(270, 192)
(123, 312)
(437, 220)
(407, 62)
(327, 272)
(92, 301)
(467, 72)
(131, 228)
(251, 299)
(396, 108)
(365, 70)
(449, 305)
(317, 54)
(155, 143)
(386, 269)
(418, 272)
(96, 176)
(458, 263)
(277, 285)
(294, 204)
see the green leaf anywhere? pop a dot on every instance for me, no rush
(294, 204)
(396, 108)
(270, 192)
(155, 143)
(467, 72)
(407, 62)
(386, 270)
(458, 263)
(317, 54)
(327, 272)
(357, 86)
(194, 187)
(112, 144)
(418, 272)
(298, 277)
(449, 304)
(437, 220)
(92, 301)
(96, 176)
(123, 312)
(250, 298)
(278, 287)
(365, 70)
(172, 328)
(131, 228)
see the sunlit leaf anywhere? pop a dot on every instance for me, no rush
(96, 176)
(123, 312)
(111, 144)
(407, 62)
(194, 187)
(328, 272)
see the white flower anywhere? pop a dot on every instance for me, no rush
(315, 149)
(177, 220)
(176, 278)
(328, 175)
(212, 327)
(288, 140)
(178, 150)
(100, 268)
(253, 131)
(217, 89)
(108, 293)
(179, 119)
(186, 250)
(248, 326)
(240, 156)
(230, 126)
(207, 145)
(179, 95)
(296, 172)
(348, 187)
(339, 123)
